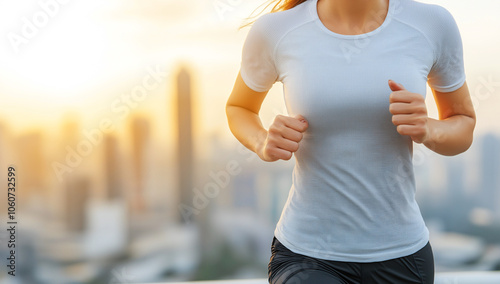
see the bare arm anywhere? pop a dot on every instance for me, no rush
(449, 135)
(242, 111)
(452, 134)
(283, 136)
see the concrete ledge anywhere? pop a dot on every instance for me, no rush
(472, 277)
(250, 281)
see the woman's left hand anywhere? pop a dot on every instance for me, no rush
(409, 113)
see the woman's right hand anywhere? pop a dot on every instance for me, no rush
(283, 138)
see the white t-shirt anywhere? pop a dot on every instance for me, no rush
(353, 192)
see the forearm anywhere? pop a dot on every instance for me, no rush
(450, 136)
(247, 127)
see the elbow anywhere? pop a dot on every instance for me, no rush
(229, 110)
(470, 137)
(454, 137)
(231, 113)
(228, 114)
(466, 144)
(450, 152)
(466, 140)
(228, 107)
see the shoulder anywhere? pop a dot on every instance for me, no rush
(423, 15)
(416, 7)
(434, 21)
(274, 26)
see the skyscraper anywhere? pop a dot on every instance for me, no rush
(5, 143)
(76, 193)
(31, 161)
(5, 161)
(70, 131)
(140, 134)
(184, 139)
(457, 205)
(490, 172)
(112, 168)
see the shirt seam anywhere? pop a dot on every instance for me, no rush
(452, 87)
(280, 41)
(429, 42)
(418, 268)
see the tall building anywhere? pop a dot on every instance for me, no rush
(65, 153)
(184, 139)
(5, 144)
(70, 131)
(3, 141)
(76, 196)
(112, 168)
(245, 191)
(457, 204)
(5, 161)
(490, 172)
(140, 134)
(31, 162)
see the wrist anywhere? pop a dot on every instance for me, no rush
(433, 136)
(260, 142)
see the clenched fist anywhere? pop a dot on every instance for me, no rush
(409, 113)
(283, 138)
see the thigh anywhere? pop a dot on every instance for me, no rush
(424, 260)
(416, 268)
(308, 276)
(287, 267)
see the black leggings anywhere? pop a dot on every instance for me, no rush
(287, 267)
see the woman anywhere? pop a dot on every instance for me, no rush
(354, 74)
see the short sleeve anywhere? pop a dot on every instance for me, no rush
(258, 69)
(447, 73)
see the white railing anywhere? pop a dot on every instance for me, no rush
(441, 278)
(473, 277)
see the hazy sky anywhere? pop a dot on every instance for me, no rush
(83, 55)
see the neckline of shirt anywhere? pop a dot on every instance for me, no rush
(314, 11)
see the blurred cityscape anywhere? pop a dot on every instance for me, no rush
(94, 206)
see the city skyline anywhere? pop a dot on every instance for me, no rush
(57, 72)
(113, 114)
(94, 209)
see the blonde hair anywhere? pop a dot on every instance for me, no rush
(279, 5)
